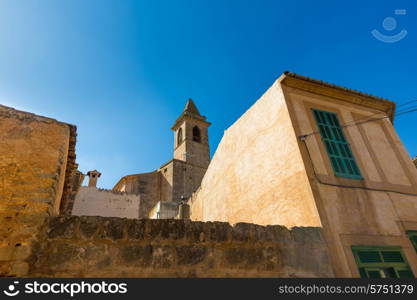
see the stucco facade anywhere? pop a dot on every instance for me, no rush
(249, 179)
(272, 167)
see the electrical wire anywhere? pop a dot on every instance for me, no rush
(406, 103)
(381, 112)
(367, 119)
(303, 139)
(405, 112)
(343, 185)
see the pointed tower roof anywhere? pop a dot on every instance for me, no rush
(191, 112)
(191, 108)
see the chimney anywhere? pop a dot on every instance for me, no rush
(93, 176)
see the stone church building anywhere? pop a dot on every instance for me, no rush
(155, 194)
(178, 178)
(311, 181)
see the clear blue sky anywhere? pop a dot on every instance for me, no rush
(122, 70)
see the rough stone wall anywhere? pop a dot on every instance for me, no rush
(72, 176)
(91, 201)
(113, 247)
(166, 173)
(33, 162)
(74, 183)
(192, 174)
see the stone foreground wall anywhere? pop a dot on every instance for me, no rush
(113, 247)
(34, 160)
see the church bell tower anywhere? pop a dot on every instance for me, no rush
(191, 137)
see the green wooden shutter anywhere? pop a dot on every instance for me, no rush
(369, 256)
(392, 256)
(405, 274)
(414, 241)
(338, 149)
(378, 261)
(413, 238)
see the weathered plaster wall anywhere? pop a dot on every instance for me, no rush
(257, 174)
(164, 185)
(112, 247)
(164, 210)
(91, 201)
(358, 216)
(166, 173)
(33, 162)
(146, 185)
(191, 175)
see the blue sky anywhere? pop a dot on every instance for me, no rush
(122, 70)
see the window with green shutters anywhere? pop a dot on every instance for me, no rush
(412, 234)
(338, 149)
(381, 262)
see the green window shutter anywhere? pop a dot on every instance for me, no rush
(392, 256)
(373, 274)
(405, 274)
(338, 149)
(414, 241)
(369, 256)
(412, 234)
(381, 262)
(363, 273)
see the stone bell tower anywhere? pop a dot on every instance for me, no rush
(191, 152)
(191, 137)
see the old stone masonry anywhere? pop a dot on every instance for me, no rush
(291, 191)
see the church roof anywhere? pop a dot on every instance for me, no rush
(190, 111)
(191, 108)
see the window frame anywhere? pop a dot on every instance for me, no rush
(340, 144)
(365, 267)
(412, 236)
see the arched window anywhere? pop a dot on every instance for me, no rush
(179, 136)
(196, 134)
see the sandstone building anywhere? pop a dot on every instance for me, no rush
(162, 190)
(315, 154)
(321, 160)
